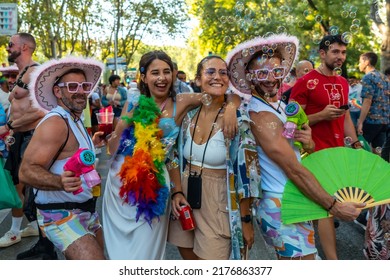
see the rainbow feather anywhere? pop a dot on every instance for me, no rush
(142, 172)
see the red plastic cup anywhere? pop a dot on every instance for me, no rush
(105, 121)
(186, 218)
(106, 128)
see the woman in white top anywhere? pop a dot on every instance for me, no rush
(135, 205)
(205, 153)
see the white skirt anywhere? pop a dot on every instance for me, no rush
(126, 239)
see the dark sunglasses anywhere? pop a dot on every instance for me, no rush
(12, 76)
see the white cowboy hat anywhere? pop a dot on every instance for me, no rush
(44, 76)
(238, 58)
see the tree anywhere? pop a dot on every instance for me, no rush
(83, 27)
(225, 23)
(133, 20)
(384, 30)
(61, 26)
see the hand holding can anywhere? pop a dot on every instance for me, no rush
(186, 218)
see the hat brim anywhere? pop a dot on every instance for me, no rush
(43, 77)
(238, 58)
(9, 69)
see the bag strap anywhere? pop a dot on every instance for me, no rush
(61, 148)
(66, 140)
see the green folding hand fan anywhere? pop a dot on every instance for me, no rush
(347, 174)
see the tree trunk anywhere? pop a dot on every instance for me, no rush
(384, 30)
(385, 55)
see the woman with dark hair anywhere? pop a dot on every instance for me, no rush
(136, 201)
(219, 234)
(114, 95)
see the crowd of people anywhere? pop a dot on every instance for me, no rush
(216, 147)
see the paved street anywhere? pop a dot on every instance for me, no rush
(349, 236)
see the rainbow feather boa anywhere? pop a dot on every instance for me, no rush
(142, 173)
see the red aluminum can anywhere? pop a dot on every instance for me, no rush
(186, 218)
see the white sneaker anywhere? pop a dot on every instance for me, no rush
(29, 230)
(9, 239)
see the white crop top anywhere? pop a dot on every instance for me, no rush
(215, 156)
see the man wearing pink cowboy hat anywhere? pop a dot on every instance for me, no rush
(257, 68)
(69, 220)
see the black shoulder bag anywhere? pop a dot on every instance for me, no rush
(194, 191)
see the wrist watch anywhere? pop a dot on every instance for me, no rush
(246, 219)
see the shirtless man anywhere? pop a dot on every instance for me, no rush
(22, 122)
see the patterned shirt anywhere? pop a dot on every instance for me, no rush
(376, 86)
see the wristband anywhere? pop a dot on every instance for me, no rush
(246, 219)
(175, 193)
(333, 204)
(9, 125)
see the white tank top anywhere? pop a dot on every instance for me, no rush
(215, 156)
(273, 177)
(57, 168)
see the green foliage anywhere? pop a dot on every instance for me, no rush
(140, 18)
(61, 27)
(88, 27)
(226, 23)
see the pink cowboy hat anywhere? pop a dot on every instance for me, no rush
(238, 58)
(45, 75)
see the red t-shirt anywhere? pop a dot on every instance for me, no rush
(316, 91)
